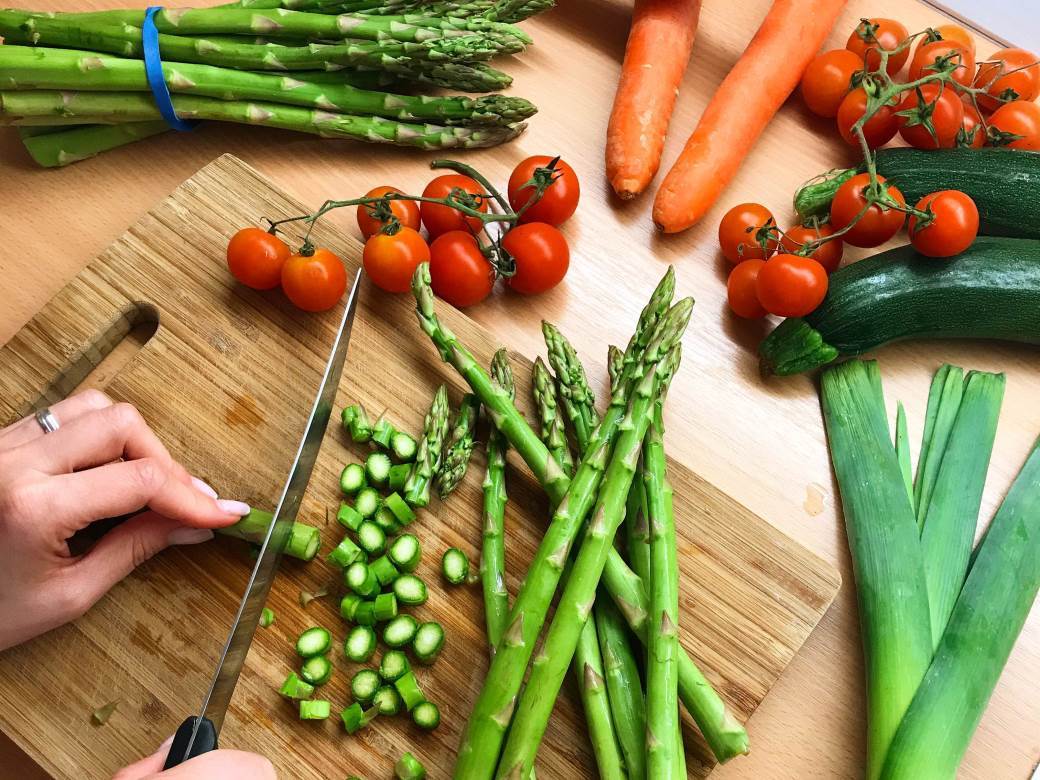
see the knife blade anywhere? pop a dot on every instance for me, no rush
(198, 734)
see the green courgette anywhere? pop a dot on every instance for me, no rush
(1004, 183)
(990, 291)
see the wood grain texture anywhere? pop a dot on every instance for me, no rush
(225, 382)
(762, 442)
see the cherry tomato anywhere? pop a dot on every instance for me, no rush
(1013, 74)
(459, 272)
(1021, 119)
(314, 282)
(559, 200)
(541, 255)
(953, 229)
(942, 107)
(828, 255)
(255, 257)
(960, 59)
(877, 131)
(877, 224)
(828, 80)
(739, 229)
(972, 134)
(406, 211)
(791, 286)
(886, 33)
(390, 260)
(742, 290)
(439, 218)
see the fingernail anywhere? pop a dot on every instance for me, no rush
(202, 487)
(165, 746)
(233, 507)
(190, 535)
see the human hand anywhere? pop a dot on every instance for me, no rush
(217, 765)
(103, 461)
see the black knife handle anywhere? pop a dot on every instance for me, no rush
(205, 741)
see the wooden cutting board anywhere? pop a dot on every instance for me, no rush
(227, 381)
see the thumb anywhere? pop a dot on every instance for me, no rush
(147, 766)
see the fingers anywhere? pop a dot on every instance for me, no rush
(223, 764)
(65, 411)
(147, 766)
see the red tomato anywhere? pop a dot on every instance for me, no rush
(828, 255)
(255, 257)
(1019, 119)
(828, 80)
(742, 290)
(541, 255)
(953, 229)
(560, 198)
(877, 131)
(439, 218)
(739, 233)
(870, 34)
(959, 58)
(1008, 74)
(972, 133)
(459, 272)
(877, 224)
(791, 286)
(390, 260)
(941, 107)
(406, 211)
(314, 282)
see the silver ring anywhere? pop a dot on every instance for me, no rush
(45, 417)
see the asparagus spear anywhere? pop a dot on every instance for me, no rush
(24, 68)
(501, 10)
(459, 446)
(53, 150)
(493, 554)
(615, 363)
(579, 403)
(428, 460)
(113, 107)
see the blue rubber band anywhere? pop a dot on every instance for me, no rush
(154, 73)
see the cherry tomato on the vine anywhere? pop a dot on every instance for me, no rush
(742, 290)
(1019, 119)
(439, 218)
(954, 53)
(827, 254)
(953, 228)
(828, 80)
(940, 106)
(870, 34)
(406, 211)
(314, 282)
(558, 201)
(1008, 74)
(739, 233)
(541, 255)
(972, 134)
(878, 130)
(791, 286)
(459, 271)
(877, 223)
(255, 257)
(390, 260)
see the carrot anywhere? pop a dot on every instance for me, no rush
(759, 83)
(658, 49)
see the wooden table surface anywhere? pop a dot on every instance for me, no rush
(762, 442)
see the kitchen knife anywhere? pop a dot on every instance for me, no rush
(198, 734)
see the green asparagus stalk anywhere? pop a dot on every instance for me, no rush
(303, 540)
(623, 683)
(25, 68)
(511, 11)
(637, 532)
(54, 150)
(459, 446)
(577, 398)
(535, 706)
(493, 553)
(139, 106)
(553, 433)
(615, 363)
(428, 460)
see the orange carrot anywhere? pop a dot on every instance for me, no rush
(759, 83)
(658, 49)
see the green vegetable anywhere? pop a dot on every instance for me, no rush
(266, 617)
(356, 424)
(426, 715)
(455, 566)
(386, 520)
(384, 607)
(360, 644)
(428, 642)
(428, 460)
(317, 709)
(361, 579)
(349, 517)
(404, 513)
(365, 613)
(377, 469)
(405, 552)
(367, 502)
(400, 631)
(372, 538)
(989, 291)
(363, 685)
(623, 685)
(410, 590)
(352, 479)
(1002, 182)
(493, 551)
(348, 606)
(458, 447)
(393, 665)
(74, 143)
(303, 541)
(399, 476)
(345, 553)
(316, 670)
(388, 700)
(384, 569)
(355, 717)
(314, 641)
(408, 686)
(100, 716)
(404, 447)
(408, 767)
(295, 688)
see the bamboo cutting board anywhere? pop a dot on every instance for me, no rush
(227, 381)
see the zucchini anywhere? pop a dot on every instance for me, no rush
(989, 291)
(1003, 183)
